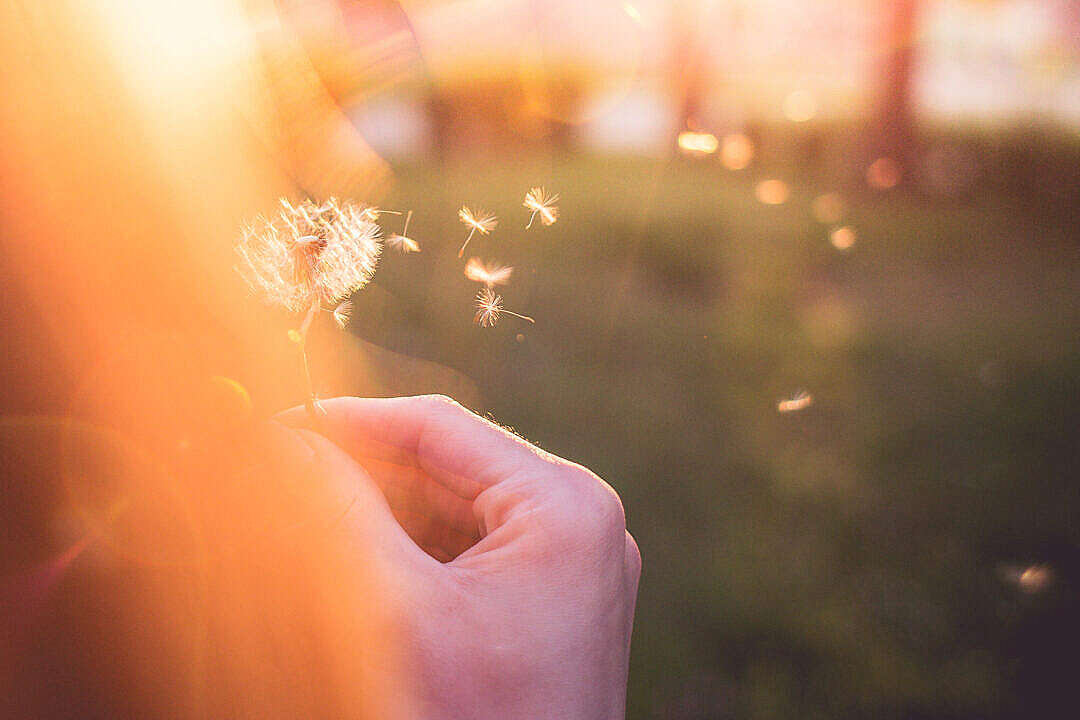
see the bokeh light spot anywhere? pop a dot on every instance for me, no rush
(697, 143)
(883, 173)
(842, 238)
(772, 192)
(737, 151)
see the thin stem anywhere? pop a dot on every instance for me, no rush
(311, 403)
(405, 230)
(531, 219)
(523, 317)
(462, 250)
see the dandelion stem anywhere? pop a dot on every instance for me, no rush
(462, 250)
(523, 317)
(531, 219)
(311, 403)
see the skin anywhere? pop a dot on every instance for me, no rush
(508, 571)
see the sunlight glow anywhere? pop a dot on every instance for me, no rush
(800, 106)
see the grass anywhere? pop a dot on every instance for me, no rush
(843, 561)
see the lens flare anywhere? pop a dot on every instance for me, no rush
(737, 151)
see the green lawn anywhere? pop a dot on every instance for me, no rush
(848, 560)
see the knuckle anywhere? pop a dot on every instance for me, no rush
(593, 500)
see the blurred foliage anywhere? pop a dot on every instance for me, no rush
(849, 560)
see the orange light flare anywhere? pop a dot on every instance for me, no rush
(883, 174)
(697, 143)
(736, 151)
(772, 192)
(842, 238)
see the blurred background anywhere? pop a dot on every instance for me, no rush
(811, 304)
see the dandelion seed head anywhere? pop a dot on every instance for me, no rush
(488, 308)
(800, 401)
(490, 275)
(481, 221)
(308, 253)
(343, 313)
(543, 204)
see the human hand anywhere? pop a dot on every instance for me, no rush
(527, 612)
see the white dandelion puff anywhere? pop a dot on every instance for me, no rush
(403, 242)
(543, 205)
(490, 275)
(480, 221)
(306, 256)
(799, 401)
(309, 254)
(343, 313)
(489, 309)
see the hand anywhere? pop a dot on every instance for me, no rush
(528, 609)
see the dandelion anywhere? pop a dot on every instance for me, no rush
(542, 205)
(372, 213)
(800, 401)
(482, 222)
(403, 242)
(343, 313)
(489, 309)
(490, 275)
(307, 256)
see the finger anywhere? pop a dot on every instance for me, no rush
(411, 489)
(459, 449)
(368, 520)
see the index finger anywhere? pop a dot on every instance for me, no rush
(457, 448)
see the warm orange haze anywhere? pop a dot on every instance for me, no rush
(797, 279)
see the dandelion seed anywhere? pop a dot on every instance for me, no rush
(309, 255)
(343, 313)
(372, 213)
(482, 222)
(800, 401)
(490, 275)
(403, 242)
(542, 205)
(489, 309)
